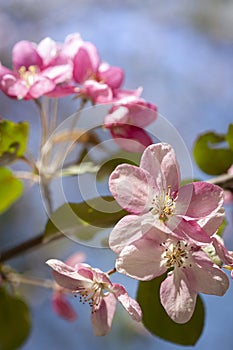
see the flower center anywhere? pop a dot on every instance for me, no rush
(28, 75)
(163, 206)
(94, 295)
(175, 255)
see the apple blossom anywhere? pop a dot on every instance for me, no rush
(60, 304)
(126, 120)
(189, 270)
(35, 72)
(151, 193)
(94, 287)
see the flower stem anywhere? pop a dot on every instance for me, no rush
(15, 278)
(112, 271)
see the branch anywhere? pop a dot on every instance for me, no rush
(225, 181)
(34, 242)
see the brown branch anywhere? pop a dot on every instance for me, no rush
(32, 243)
(225, 181)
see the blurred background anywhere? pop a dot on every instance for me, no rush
(181, 53)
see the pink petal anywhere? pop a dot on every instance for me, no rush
(41, 87)
(71, 45)
(222, 252)
(191, 230)
(14, 87)
(24, 54)
(63, 308)
(127, 230)
(48, 50)
(4, 71)
(59, 73)
(206, 199)
(130, 305)
(132, 187)
(206, 277)
(103, 316)
(125, 96)
(160, 161)
(112, 76)
(131, 138)
(143, 259)
(86, 62)
(96, 92)
(177, 298)
(75, 259)
(141, 113)
(211, 223)
(67, 277)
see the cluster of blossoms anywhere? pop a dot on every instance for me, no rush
(169, 229)
(74, 67)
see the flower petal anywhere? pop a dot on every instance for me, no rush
(177, 297)
(160, 161)
(211, 223)
(41, 86)
(67, 277)
(86, 62)
(206, 199)
(24, 54)
(130, 305)
(191, 230)
(207, 277)
(131, 137)
(63, 308)
(132, 188)
(143, 259)
(127, 230)
(103, 316)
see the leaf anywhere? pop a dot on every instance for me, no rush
(229, 136)
(11, 189)
(14, 321)
(212, 160)
(84, 220)
(118, 158)
(156, 320)
(108, 167)
(13, 140)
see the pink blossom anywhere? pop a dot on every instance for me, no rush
(94, 287)
(126, 121)
(190, 271)
(60, 304)
(35, 70)
(98, 80)
(152, 194)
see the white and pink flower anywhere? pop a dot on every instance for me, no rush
(126, 121)
(95, 288)
(151, 193)
(190, 271)
(36, 71)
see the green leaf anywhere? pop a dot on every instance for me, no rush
(84, 220)
(209, 158)
(156, 320)
(14, 321)
(107, 168)
(11, 189)
(229, 136)
(13, 140)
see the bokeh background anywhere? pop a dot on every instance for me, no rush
(181, 52)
